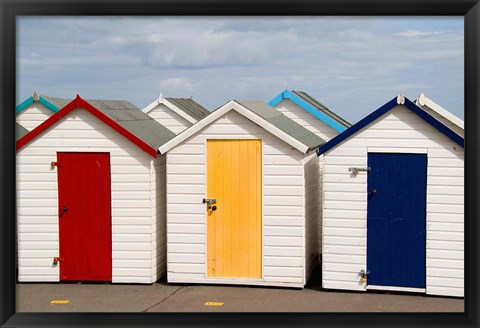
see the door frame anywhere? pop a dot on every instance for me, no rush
(397, 150)
(262, 209)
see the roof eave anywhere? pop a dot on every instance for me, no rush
(287, 94)
(78, 102)
(400, 100)
(423, 100)
(232, 105)
(151, 106)
(30, 100)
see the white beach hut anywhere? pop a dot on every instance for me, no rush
(176, 114)
(393, 209)
(242, 189)
(307, 111)
(90, 189)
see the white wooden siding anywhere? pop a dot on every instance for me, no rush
(345, 201)
(283, 225)
(312, 214)
(37, 192)
(305, 119)
(33, 115)
(313, 124)
(169, 119)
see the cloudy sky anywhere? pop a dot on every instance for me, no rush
(352, 65)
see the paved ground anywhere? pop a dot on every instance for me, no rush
(163, 297)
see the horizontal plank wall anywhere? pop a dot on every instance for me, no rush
(305, 119)
(33, 115)
(37, 192)
(345, 202)
(310, 122)
(169, 119)
(283, 201)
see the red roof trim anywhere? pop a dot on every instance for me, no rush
(78, 102)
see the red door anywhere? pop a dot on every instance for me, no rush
(84, 216)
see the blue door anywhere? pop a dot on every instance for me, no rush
(396, 214)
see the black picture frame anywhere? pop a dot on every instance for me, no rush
(470, 9)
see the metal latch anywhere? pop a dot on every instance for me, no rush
(209, 201)
(53, 164)
(363, 274)
(57, 259)
(355, 170)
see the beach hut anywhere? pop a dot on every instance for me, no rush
(90, 189)
(241, 199)
(36, 109)
(176, 114)
(441, 114)
(393, 209)
(315, 117)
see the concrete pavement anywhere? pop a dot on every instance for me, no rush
(164, 297)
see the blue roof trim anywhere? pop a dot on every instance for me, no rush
(277, 99)
(23, 105)
(382, 110)
(48, 104)
(30, 101)
(286, 94)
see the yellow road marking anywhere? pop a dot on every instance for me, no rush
(214, 303)
(59, 301)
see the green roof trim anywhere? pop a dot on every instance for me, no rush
(52, 103)
(58, 103)
(27, 102)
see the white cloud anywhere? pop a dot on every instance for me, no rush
(414, 34)
(216, 59)
(175, 85)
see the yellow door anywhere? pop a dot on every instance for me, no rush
(234, 228)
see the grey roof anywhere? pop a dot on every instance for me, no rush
(315, 103)
(190, 107)
(20, 131)
(58, 102)
(134, 120)
(290, 127)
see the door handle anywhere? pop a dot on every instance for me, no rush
(65, 209)
(372, 192)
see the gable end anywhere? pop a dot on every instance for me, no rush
(384, 109)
